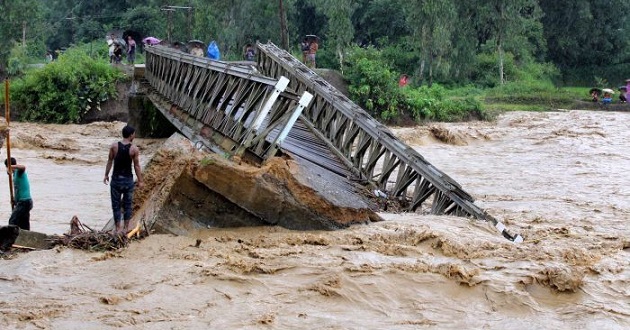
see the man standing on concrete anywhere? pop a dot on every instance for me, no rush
(22, 203)
(121, 155)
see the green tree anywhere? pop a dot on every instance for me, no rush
(233, 25)
(20, 21)
(432, 25)
(339, 31)
(504, 23)
(146, 20)
(380, 22)
(586, 32)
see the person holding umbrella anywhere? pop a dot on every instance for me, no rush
(151, 41)
(196, 47)
(607, 99)
(622, 94)
(312, 51)
(595, 92)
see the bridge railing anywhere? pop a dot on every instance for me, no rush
(368, 146)
(231, 106)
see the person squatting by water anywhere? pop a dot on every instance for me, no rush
(22, 202)
(121, 155)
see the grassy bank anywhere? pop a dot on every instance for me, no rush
(525, 96)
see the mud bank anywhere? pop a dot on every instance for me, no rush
(186, 189)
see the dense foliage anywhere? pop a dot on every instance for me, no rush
(374, 85)
(480, 43)
(65, 90)
(440, 40)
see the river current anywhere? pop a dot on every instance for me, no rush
(557, 178)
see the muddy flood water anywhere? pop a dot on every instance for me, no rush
(559, 179)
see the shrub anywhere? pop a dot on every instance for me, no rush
(531, 92)
(66, 89)
(426, 103)
(374, 86)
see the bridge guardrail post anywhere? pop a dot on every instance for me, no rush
(280, 87)
(305, 100)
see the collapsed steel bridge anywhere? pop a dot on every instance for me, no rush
(277, 104)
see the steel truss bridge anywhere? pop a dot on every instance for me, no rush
(278, 105)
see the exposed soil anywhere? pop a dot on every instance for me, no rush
(112, 110)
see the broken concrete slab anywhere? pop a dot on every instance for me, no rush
(186, 189)
(33, 239)
(285, 194)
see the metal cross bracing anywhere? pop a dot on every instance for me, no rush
(217, 103)
(368, 147)
(228, 108)
(233, 108)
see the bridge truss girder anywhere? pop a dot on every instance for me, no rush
(369, 146)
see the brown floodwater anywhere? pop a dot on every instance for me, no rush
(559, 179)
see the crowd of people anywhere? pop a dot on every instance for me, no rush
(605, 96)
(309, 47)
(115, 47)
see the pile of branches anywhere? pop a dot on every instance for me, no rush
(85, 238)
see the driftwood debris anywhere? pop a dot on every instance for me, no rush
(85, 238)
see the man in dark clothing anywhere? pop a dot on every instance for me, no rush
(23, 204)
(305, 46)
(117, 54)
(250, 53)
(121, 155)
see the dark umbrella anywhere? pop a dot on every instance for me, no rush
(595, 89)
(312, 37)
(199, 42)
(120, 42)
(623, 88)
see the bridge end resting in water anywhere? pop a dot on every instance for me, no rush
(281, 107)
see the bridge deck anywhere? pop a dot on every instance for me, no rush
(220, 104)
